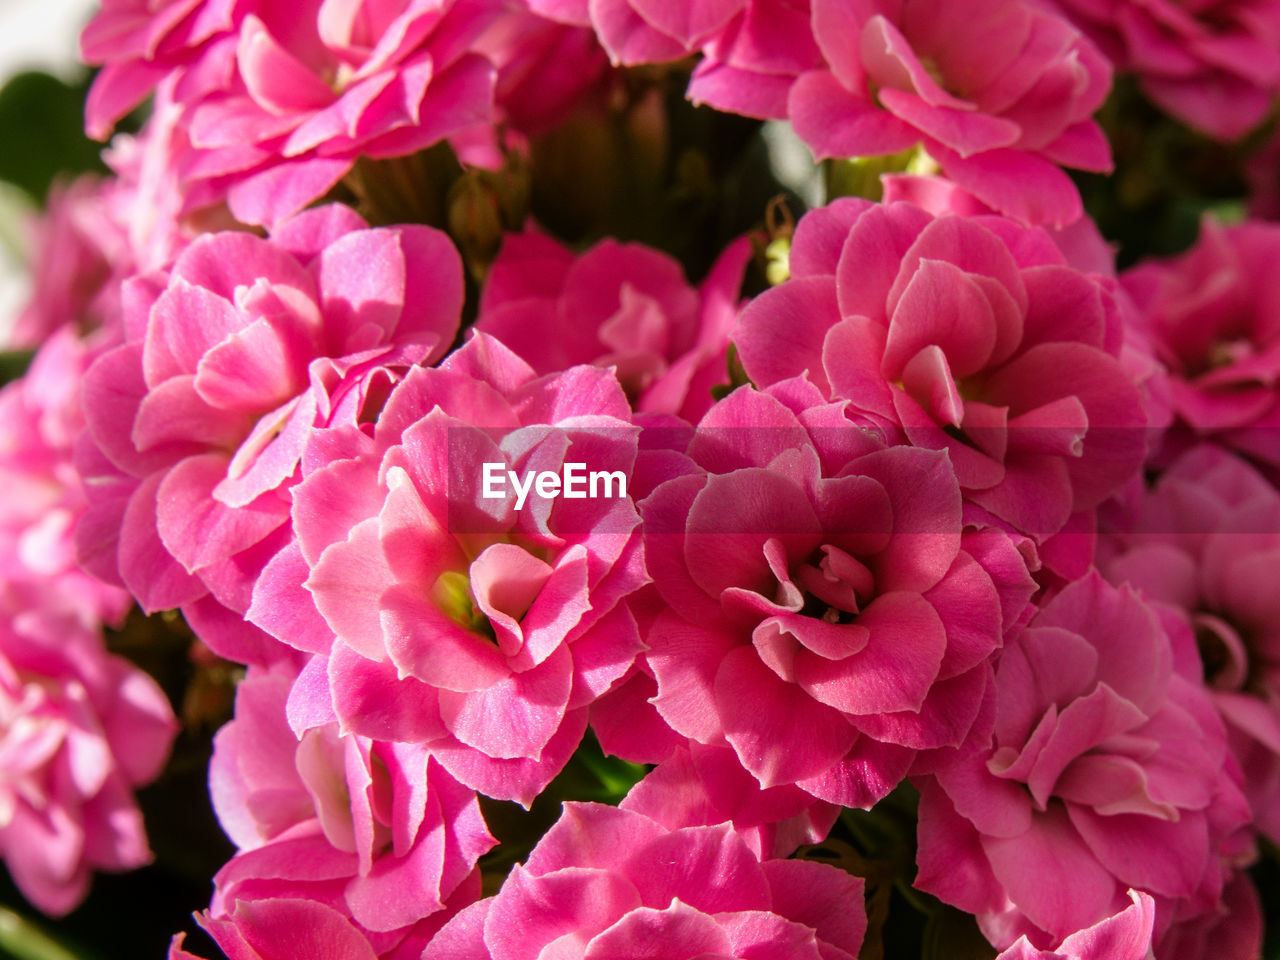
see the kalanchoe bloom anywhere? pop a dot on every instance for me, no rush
(545, 68)
(608, 883)
(378, 831)
(969, 334)
(1125, 936)
(1213, 321)
(316, 85)
(1214, 65)
(1108, 768)
(825, 615)
(752, 50)
(1204, 544)
(198, 421)
(80, 256)
(620, 305)
(1231, 931)
(79, 730)
(999, 92)
(138, 43)
(703, 786)
(472, 619)
(287, 927)
(40, 419)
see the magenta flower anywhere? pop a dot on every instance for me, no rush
(1108, 769)
(609, 883)
(752, 50)
(1124, 936)
(40, 420)
(703, 786)
(289, 927)
(1203, 544)
(314, 87)
(619, 305)
(1210, 322)
(999, 92)
(1215, 65)
(1230, 931)
(79, 730)
(545, 68)
(825, 614)
(970, 335)
(480, 623)
(198, 421)
(378, 831)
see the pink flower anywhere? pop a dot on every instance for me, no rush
(970, 335)
(79, 730)
(1210, 321)
(198, 421)
(378, 831)
(1214, 65)
(313, 87)
(609, 883)
(40, 419)
(545, 68)
(1124, 936)
(1231, 931)
(80, 256)
(703, 786)
(1204, 544)
(1108, 769)
(445, 611)
(999, 92)
(141, 42)
(824, 613)
(620, 305)
(289, 927)
(752, 50)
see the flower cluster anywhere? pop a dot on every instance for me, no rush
(904, 541)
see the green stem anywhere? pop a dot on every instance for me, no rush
(23, 940)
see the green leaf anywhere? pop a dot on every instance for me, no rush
(13, 364)
(43, 121)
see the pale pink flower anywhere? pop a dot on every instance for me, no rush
(378, 831)
(1204, 543)
(1000, 92)
(621, 305)
(79, 257)
(1108, 770)
(824, 612)
(609, 883)
(1214, 64)
(197, 423)
(969, 334)
(158, 214)
(1211, 320)
(483, 626)
(79, 730)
